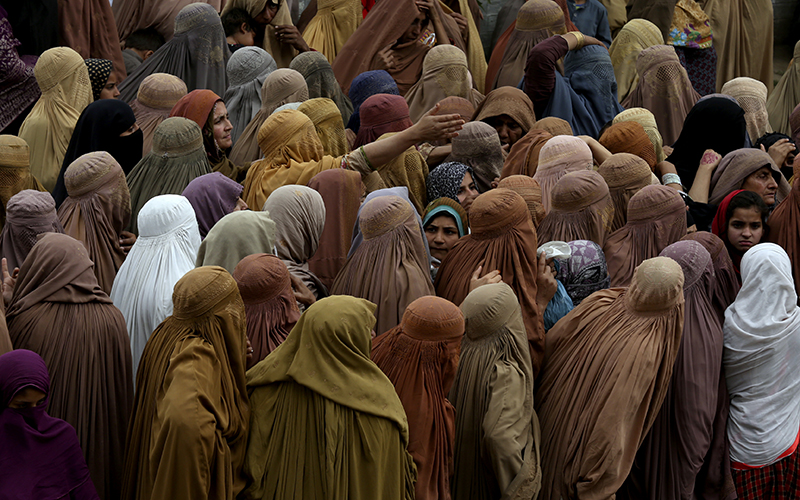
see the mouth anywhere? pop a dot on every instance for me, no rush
(745, 243)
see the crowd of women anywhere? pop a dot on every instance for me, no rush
(347, 249)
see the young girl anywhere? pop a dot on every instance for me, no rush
(741, 222)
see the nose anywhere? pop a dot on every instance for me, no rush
(772, 184)
(502, 132)
(746, 232)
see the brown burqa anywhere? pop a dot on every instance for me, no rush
(523, 159)
(581, 209)
(726, 281)
(629, 137)
(88, 27)
(625, 174)
(30, 213)
(531, 192)
(59, 312)
(15, 171)
(784, 227)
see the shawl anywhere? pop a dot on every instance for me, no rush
(629, 137)
(523, 158)
(752, 97)
(635, 36)
(18, 87)
(88, 354)
(530, 191)
(327, 121)
(736, 166)
(157, 95)
(341, 192)
(96, 211)
(236, 236)
(664, 89)
(177, 158)
(321, 81)
(213, 196)
(15, 171)
(478, 146)
(332, 25)
(420, 357)
(785, 96)
(88, 27)
(454, 105)
(503, 238)
(381, 114)
(390, 267)
(99, 71)
(656, 219)
(282, 53)
(134, 15)
(760, 328)
(299, 216)
(719, 226)
(41, 455)
(30, 213)
(302, 416)
(581, 209)
(472, 46)
(726, 285)
(191, 411)
(408, 169)
(559, 156)
(585, 272)
(609, 363)
(625, 174)
(66, 91)
(646, 119)
(248, 69)
(165, 250)
(282, 86)
(197, 54)
(783, 228)
(497, 430)
(445, 180)
(446, 206)
(366, 85)
(269, 302)
(509, 101)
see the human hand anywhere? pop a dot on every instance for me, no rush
(386, 59)
(463, 24)
(546, 285)
(426, 6)
(433, 127)
(488, 279)
(9, 282)
(495, 182)
(126, 241)
(780, 151)
(301, 292)
(249, 351)
(590, 40)
(710, 160)
(288, 34)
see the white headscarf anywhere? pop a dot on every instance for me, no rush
(762, 368)
(247, 69)
(165, 250)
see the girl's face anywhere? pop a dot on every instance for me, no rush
(222, 126)
(745, 228)
(28, 397)
(467, 191)
(442, 234)
(110, 90)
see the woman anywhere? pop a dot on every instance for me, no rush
(741, 223)
(191, 412)
(269, 303)
(88, 354)
(420, 357)
(585, 272)
(497, 437)
(478, 146)
(752, 97)
(302, 416)
(236, 236)
(332, 25)
(197, 54)
(509, 111)
(41, 455)
(157, 95)
(104, 81)
(558, 157)
(381, 114)
(444, 223)
(691, 35)
(18, 88)
(656, 219)
(581, 209)
(66, 91)
(606, 376)
(165, 250)
(726, 281)
(248, 69)
(783, 224)
(635, 36)
(455, 181)
(523, 158)
(29, 214)
(625, 175)
(213, 196)
(764, 415)
(366, 85)
(629, 137)
(408, 169)
(785, 95)
(321, 81)
(749, 169)
(328, 124)
(15, 171)
(97, 211)
(390, 267)
(530, 191)
(646, 119)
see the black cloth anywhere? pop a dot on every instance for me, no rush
(35, 24)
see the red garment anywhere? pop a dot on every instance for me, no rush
(779, 480)
(719, 226)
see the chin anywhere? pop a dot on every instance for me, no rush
(225, 144)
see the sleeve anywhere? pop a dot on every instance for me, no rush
(603, 28)
(540, 77)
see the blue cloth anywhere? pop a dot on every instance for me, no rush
(366, 85)
(591, 18)
(444, 210)
(558, 307)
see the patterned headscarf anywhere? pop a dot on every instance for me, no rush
(99, 71)
(444, 180)
(585, 272)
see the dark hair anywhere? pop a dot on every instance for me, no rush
(749, 199)
(146, 39)
(769, 139)
(233, 19)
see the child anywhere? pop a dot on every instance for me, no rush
(239, 29)
(591, 17)
(139, 46)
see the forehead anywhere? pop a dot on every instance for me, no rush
(749, 214)
(443, 220)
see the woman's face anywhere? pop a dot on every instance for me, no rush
(467, 192)
(240, 205)
(28, 397)
(133, 128)
(414, 30)
(762, 183)
(265, 16)
(222, 126)
(110, 90)
(442, 234)
(745, 228)
(508, 130)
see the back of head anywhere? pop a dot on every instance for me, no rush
(233, 19)
(531, 192)
(538, 15)
(14, 153)
(212, 196)
(495, 212)
(655, 202)
(176, 137)
(90, 172)
(476, 139)
(433, 318)
(235, 236)
(161, 91)
(625, 170)
(585, 272)
(554, 125)
(695, 261)
(201, 291)
(166, 214)
(646, 119)
(455, 105)
(629, 137)
(29, 206)
(282, 86)
(380, 109)
(247, 64)
(489, 308)
(578, 190)
(261, 277)
(383, 214)
(289, 134)
(656, 287)
(565, 152)
(145, 39)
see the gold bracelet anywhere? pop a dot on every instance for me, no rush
(581, 39)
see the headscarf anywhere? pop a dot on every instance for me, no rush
(96, 211)
(478, 146)
(165, 250)
(381, 114)
(332, 25)
(581, 209)
(177, 158)
(497, 436)
(18, 87)
(410, 170)
(445, 180)
(66, 90)
(760, 328)
(585, 272)
(752, 97)
(15, 171)
(282, 86)
(328, 123)
(608, 368)
(503, 238)
(197, 54)
(523, 158)
(559, 156)
(420, 357)
(366, 85)
(726, 285)
(736, 166)
(509, 101)
(629, 137)
(269, 302)
(41, 455)
(625, 175)
(719, 226)
(213, 196)
(444, 73)
(236, 236)
(554, 125)
(99, 71)
(88, 352)
(530, 191)
(321, 82)
(656, 219)
(646, 119)
(30, 213)
(191, 408)
(785, 96)
(446, 206)
(99, 129)
(390, 267)
(635, 36)
(157, 95)
(299, 388)
(248, 69)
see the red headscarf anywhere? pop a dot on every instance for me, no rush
(720, 227)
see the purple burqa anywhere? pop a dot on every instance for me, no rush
(213, 196)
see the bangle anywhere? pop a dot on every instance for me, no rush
(670, 178)
(581, 38)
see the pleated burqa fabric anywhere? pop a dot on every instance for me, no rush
(531, 192)
(327, 121)
(29, 213)
(236, 236)
(157, 95)
(332, 25)
(625, 174)
(785, 96)
(609, 363)
(321, 82)
(311, 439)
(726, 280)
(497, 429)
(248, 69)
(752, 97)
(88, 353)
